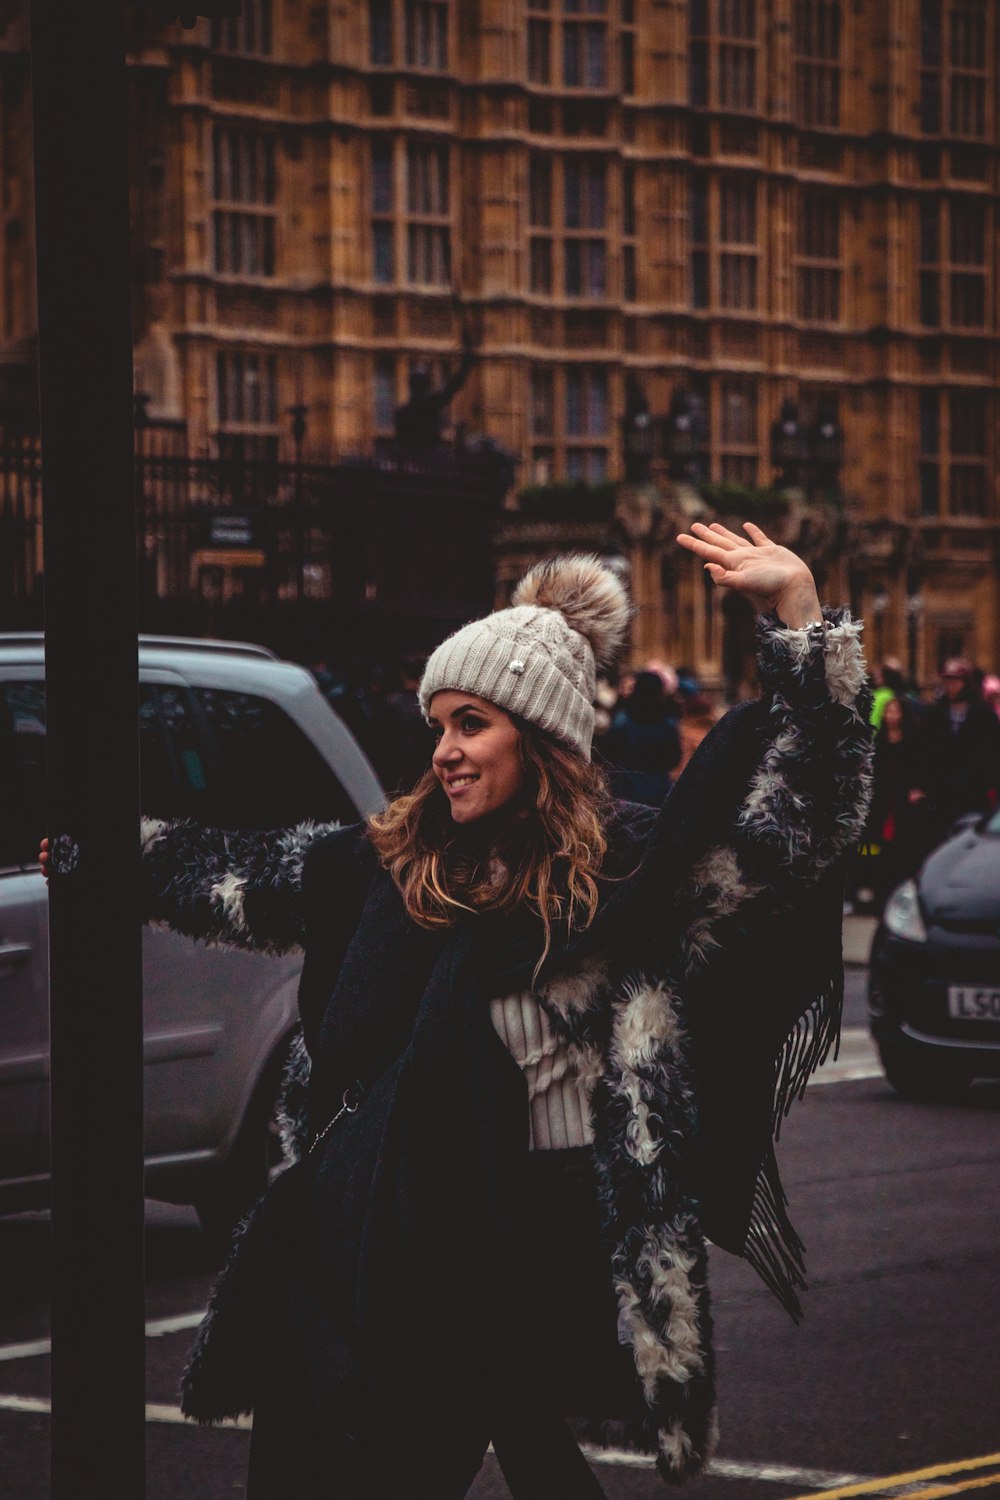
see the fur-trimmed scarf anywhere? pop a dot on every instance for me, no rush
(696, 1005)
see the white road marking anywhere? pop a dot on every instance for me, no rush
(811, 1479)
(728, 1468)
(721, 1468)
(858, 1058)
(155, 1411)
(161, 1326)
(155, 1329)
(26, 1351)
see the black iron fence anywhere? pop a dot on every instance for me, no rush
(21, 553)
(284, 552)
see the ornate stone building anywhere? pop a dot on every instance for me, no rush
(749, 201)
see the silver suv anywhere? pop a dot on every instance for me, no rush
(234, 738)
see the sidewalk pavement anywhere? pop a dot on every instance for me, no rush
(858, 934)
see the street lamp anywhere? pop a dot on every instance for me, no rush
(684, 433)
(826, 448)
(788, 446)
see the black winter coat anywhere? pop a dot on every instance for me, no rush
(960, 768)
(696, 1006)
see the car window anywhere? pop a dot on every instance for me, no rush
(992, 824)
(172, 755)
(22, 771)
(269, 774)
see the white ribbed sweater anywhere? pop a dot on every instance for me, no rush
(559, 1113)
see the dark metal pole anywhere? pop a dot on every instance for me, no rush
(85, 385)
(298, 416)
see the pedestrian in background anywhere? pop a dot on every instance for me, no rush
(959, 749)
(698, 716)
(642, 746)
(541, 1033)
(401, 744)
(899, 823)
(889, 684)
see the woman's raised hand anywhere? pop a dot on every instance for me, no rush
(768, 576)
(43, 858)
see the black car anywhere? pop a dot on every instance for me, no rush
(934, 980)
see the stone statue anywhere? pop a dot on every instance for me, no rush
(418, 421)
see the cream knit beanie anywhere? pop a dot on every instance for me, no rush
(539, 658)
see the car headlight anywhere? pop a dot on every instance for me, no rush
(902, 913)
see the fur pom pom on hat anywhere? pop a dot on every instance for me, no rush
(539, 658)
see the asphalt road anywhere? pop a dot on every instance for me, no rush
(895, 1371)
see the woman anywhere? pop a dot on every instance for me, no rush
(548, 1037)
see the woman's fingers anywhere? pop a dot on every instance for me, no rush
(755, 532)
(717, 535)
(710, 551)
(723, 532)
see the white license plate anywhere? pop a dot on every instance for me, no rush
(967, 1003)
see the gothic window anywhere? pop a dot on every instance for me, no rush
(929, 466)
(929, 275)
(967, 431)
(739, 442)
(428, 227)
(722, 54)
(723, 242)
(380, 33)
(967, 111)
(968, 263)
(427, 34)
(246, 403)
(951, 284)
(698, 241)
(569, 424)
(244, 192)
(630, 289)
(738, 228)
(952, 460)
(584, 211)
(818, 252)
(584, 45)
(383, 207)
(248, 33)
(539, 43)
(817, 63)
(954, 47)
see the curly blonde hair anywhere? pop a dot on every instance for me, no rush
(549, 857)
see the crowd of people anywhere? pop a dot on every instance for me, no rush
(934, 760)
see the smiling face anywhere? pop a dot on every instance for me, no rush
(478, 757)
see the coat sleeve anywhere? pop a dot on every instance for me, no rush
(761, 924)
(240, 889)
(805, 802)
(808, 797)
